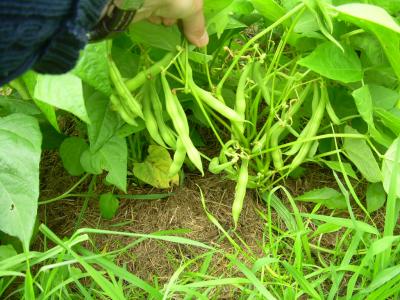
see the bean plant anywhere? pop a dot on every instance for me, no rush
(283, 85)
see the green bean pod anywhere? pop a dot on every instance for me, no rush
(119, 108)
(260, 144)
(305, 132)
(123, 91)
(276, 154)
(141, 78)
(240, 104)
(215, 104)
(192, 152)
(175, 110)
(329, 109)
(149, 118)
(278, 129)
(240, 191)
(179, 158)
(260, 82)
(166, 132)
(216, 168)
(315, 122)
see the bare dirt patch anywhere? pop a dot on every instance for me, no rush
(181, 213)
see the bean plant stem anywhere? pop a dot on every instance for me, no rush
(253, 40)
(67, 193)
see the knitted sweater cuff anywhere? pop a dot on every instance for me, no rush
(62, 52)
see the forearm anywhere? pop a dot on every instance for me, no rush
(46, 35)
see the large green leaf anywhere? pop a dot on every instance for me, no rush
(20, 149)
(378, 21)
(362, 157)
(112, 157)
(64, 92)
(392, 6)
(30, 80)
(383, 97)
(330, 61)
(93, 68)
(104, 122)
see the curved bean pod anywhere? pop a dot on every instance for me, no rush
(179, 158)
(240, 191)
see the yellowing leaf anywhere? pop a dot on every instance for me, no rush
(154, 170)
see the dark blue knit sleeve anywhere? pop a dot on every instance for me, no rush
(46, 35)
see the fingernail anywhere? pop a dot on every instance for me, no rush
(203, 40)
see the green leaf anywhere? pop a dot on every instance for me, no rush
(388, 166)
(369, 14)
(212, 7)
(104, 122)
(363, 99)
(222, 19)
(335, 166)
(154, 170)
(30, 80)
(381, 278)
(49, 112)
(71, 151)
(376, 20)
(109, 205)
(20, 151)
(112, 157)
(149, 34)
(92, 68)
(326, 228)
(383, 97)
(392, 6)
(362, 157)
(10, 105)
(389, 119)
(64, 92)
(270, 9)
(7, 252)
(376, 197)
(343, 222)
(328, 197)
(330, 61)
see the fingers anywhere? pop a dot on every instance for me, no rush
(155, 20)
(189, 11)
(194, 26)
(169, 21)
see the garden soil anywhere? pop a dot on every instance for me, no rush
(182, 211)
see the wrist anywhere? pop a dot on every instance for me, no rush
(115, 18)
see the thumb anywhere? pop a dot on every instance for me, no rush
(195, 29)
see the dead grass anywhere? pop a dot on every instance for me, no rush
(183, 210)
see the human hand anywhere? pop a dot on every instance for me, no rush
(168, 12)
